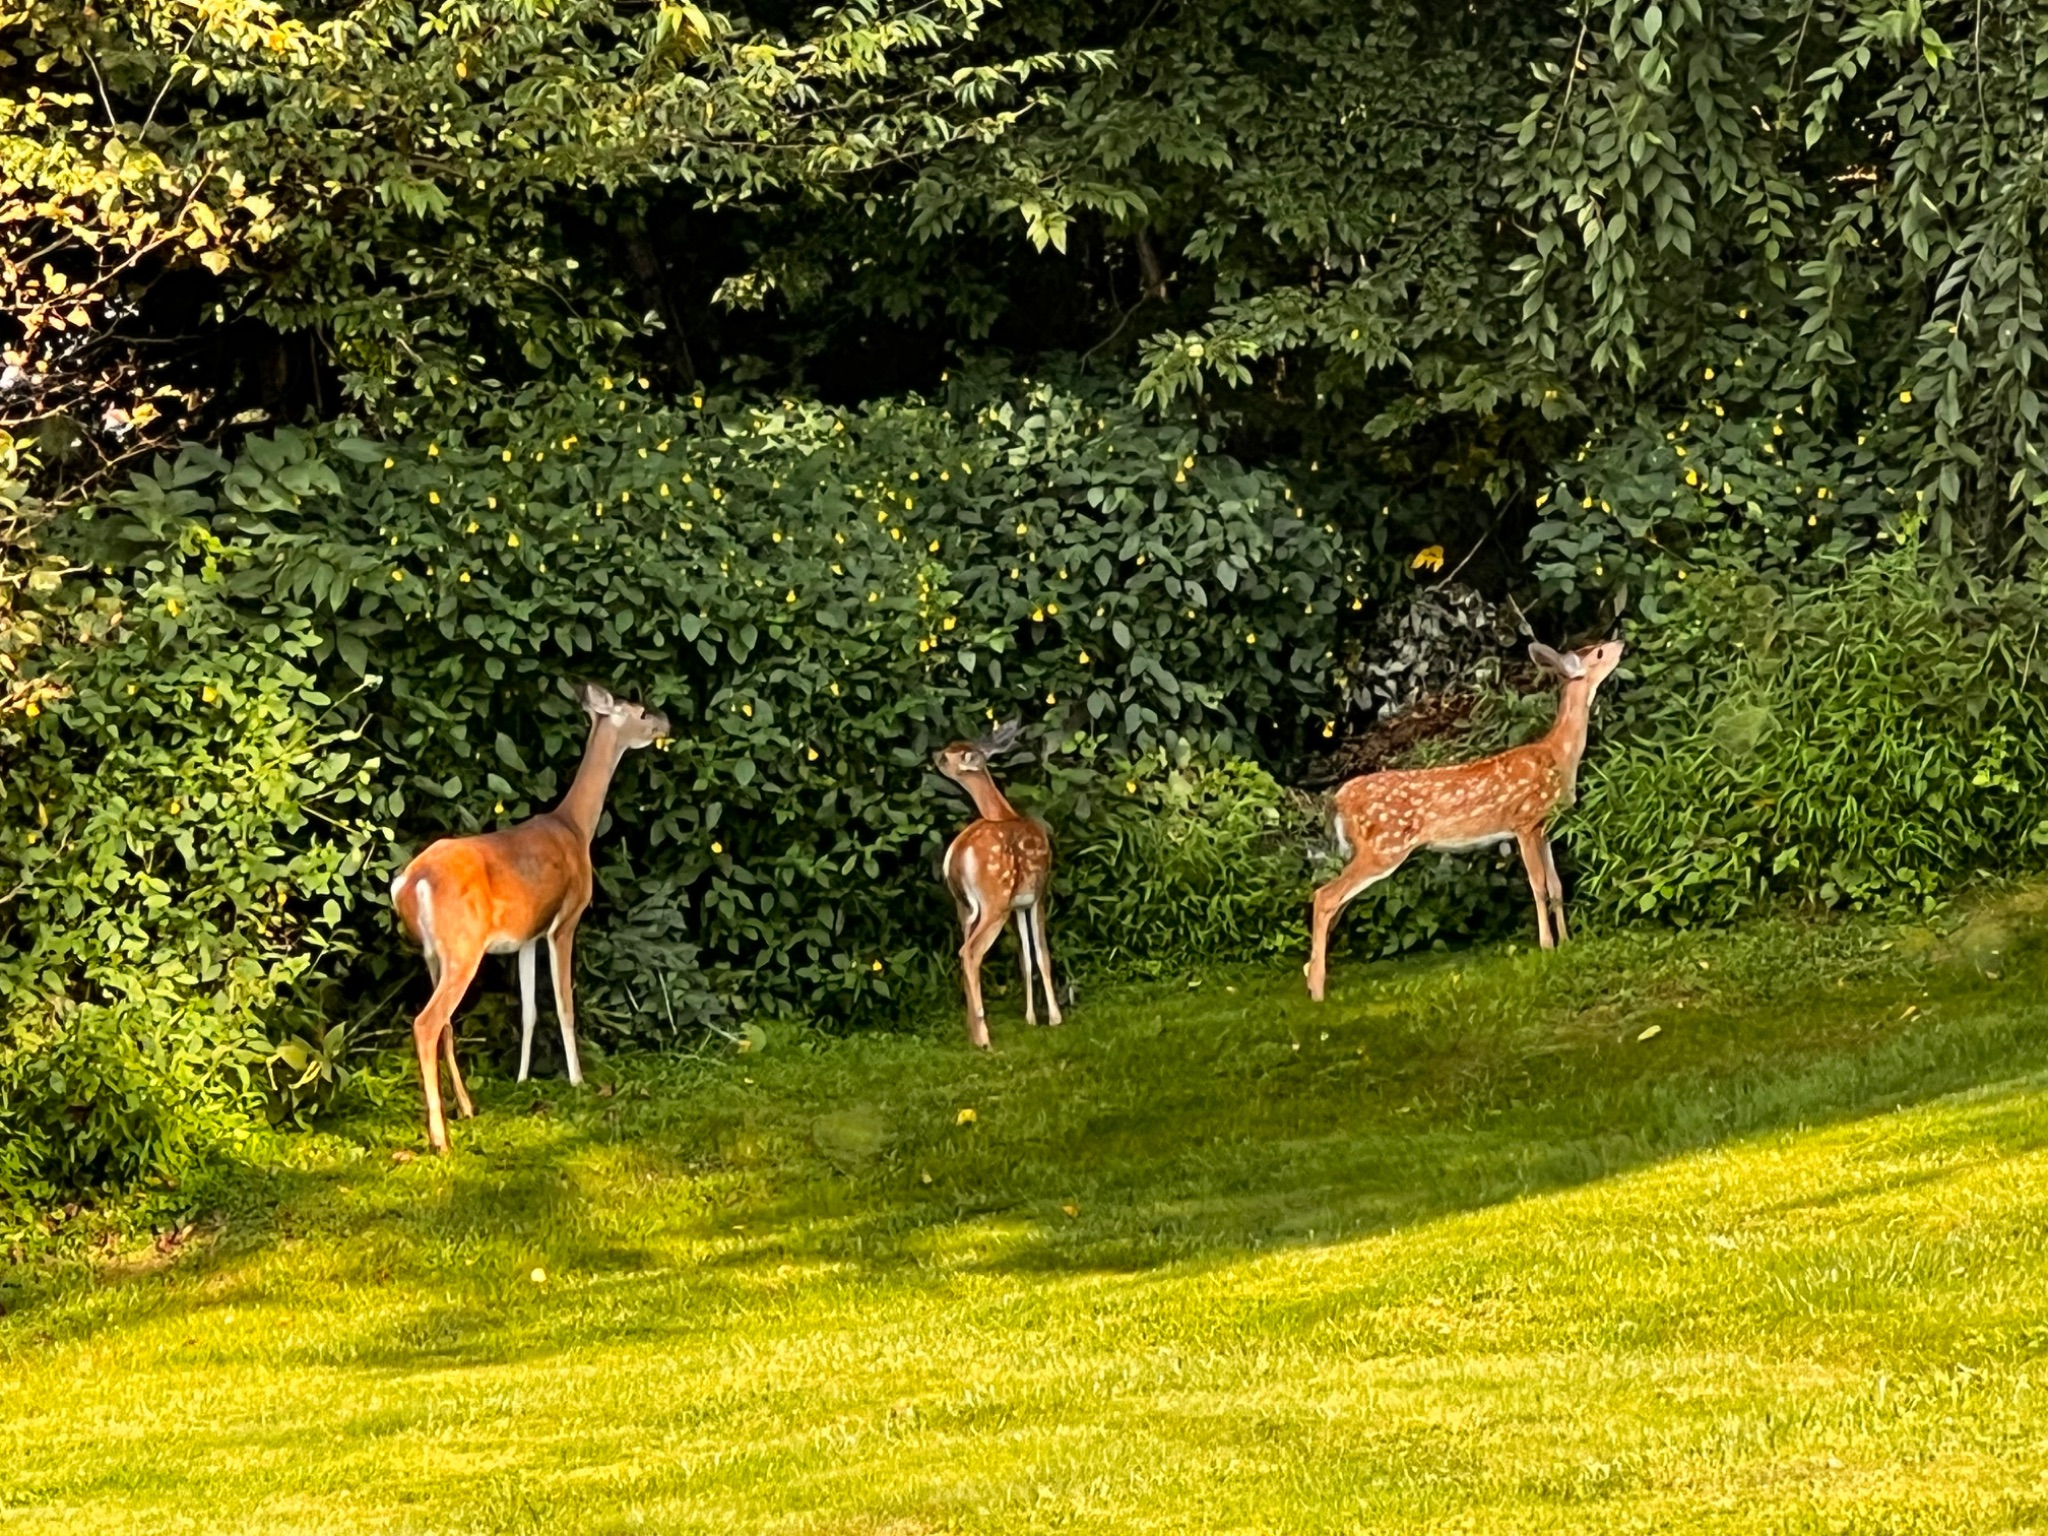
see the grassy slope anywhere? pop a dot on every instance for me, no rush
(1457, 1251)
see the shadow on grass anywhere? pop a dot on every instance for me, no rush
(1166, 1125)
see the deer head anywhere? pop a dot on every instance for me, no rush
(637, 726)
(1592, 663)
(961, 759)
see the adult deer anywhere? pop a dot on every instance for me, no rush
(1381, 818)
(505, 891)
(1002, 863)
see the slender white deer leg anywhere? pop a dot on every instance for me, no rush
(1053, 1019)
(528, 1012)
(561, 952)
(1024, 959)
(1539, 883)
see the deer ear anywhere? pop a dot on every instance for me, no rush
(1564, 665)
(596, 699)
(1004, 737)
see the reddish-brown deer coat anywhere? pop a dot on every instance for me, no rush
(504, 892)
(999, 865)
(1381, 818)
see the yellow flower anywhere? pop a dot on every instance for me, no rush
(950, 621)
(718, 847)
(434, 498)
(473, 526)
(389, 462)
(1432, 557)
(506, 455)
(210, 694)
(791, 597)
(1038, 615)
(1708, 374)
(463, 577)
(1251, 638)
(1905, 397)
(811, 753)
(398, 575)
(1084, 658)
(934, 546)
(511, 541)
(965, 1117)
(878, 965)
(747, 710)
(1329, 727)
(433, 450)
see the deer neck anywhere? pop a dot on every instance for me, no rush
(584, 802)
(1567, 738)
(987, 798)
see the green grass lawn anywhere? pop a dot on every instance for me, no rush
(1723, 1233)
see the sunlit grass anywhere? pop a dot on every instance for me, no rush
(1726, 1233)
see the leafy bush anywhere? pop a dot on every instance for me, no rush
(815, 598)
(1868, 743)
(179, 837)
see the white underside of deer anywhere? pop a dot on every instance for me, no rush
(1381, 818)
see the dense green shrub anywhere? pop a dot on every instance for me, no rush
(179, 840)
(1869, 742)
(816, 598)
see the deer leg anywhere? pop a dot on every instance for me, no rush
(434, 1021)
(529, 1014)
(1365, 868)
(1052, 1001)
(1539, 883)
(561, 944)
(463, 1107)
(1024, 964)
(988, 927)
(1556, 891)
